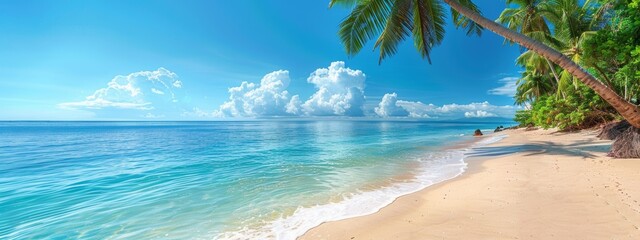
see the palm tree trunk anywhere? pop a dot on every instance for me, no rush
(628, 110)
(555, 75)
(553, 70)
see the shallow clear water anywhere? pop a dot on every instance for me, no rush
(204, 180)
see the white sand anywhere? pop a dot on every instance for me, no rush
(557, 186)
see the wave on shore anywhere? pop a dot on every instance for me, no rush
(434, 167)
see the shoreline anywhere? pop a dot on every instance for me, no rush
(447, 164)
(558, 186)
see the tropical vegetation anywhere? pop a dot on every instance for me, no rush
(581, 59)
(597, 35)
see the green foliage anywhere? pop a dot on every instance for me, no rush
(603, 37)
(392, 21)
(579, 110)
(524, 118)
(613, 53)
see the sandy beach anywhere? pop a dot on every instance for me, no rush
(538, 184)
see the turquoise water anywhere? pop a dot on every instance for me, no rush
(211, 180)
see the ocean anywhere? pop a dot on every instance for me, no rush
(270, 179)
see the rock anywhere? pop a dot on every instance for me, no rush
(531, 128)
(477, 133)
(498, 129)
(612, 130)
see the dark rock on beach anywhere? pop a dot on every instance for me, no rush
(477, 133)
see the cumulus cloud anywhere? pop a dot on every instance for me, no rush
(417, 109)
(340, 91)
(141, 91)
(389, 107)
(508, 88)
(478, 114)
(293, 107)
(268, 98)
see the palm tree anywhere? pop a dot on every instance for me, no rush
(393, 20)
(531, 86)
(538, 65)
(528, 18)
(574, 24)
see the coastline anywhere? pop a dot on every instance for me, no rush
(445, 163)
(531, 185)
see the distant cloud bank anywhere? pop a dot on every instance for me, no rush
(339, 91)
(387, 108)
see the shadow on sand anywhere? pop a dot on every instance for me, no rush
(585, 148)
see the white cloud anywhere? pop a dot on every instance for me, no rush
(293, 107)
(269, 98)
(478, 114)
(459, 110)
(340, 91)
(132, 91)
(417, 109)
(96, 104)
(388, 107)
(508, 88)
(454, 111)
(156, 91)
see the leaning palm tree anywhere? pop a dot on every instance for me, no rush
(394, 20)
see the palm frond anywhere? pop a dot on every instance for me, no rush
(398, 27)
(365, 22)
(461, 21)
(344, 3)
(428, 25)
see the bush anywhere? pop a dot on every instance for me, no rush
(580, 109)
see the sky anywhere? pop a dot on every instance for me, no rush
(210, 60)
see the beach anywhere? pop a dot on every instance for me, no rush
(539, 184)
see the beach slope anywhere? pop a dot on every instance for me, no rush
(532, 185)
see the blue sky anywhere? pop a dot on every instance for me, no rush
(101, 60)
